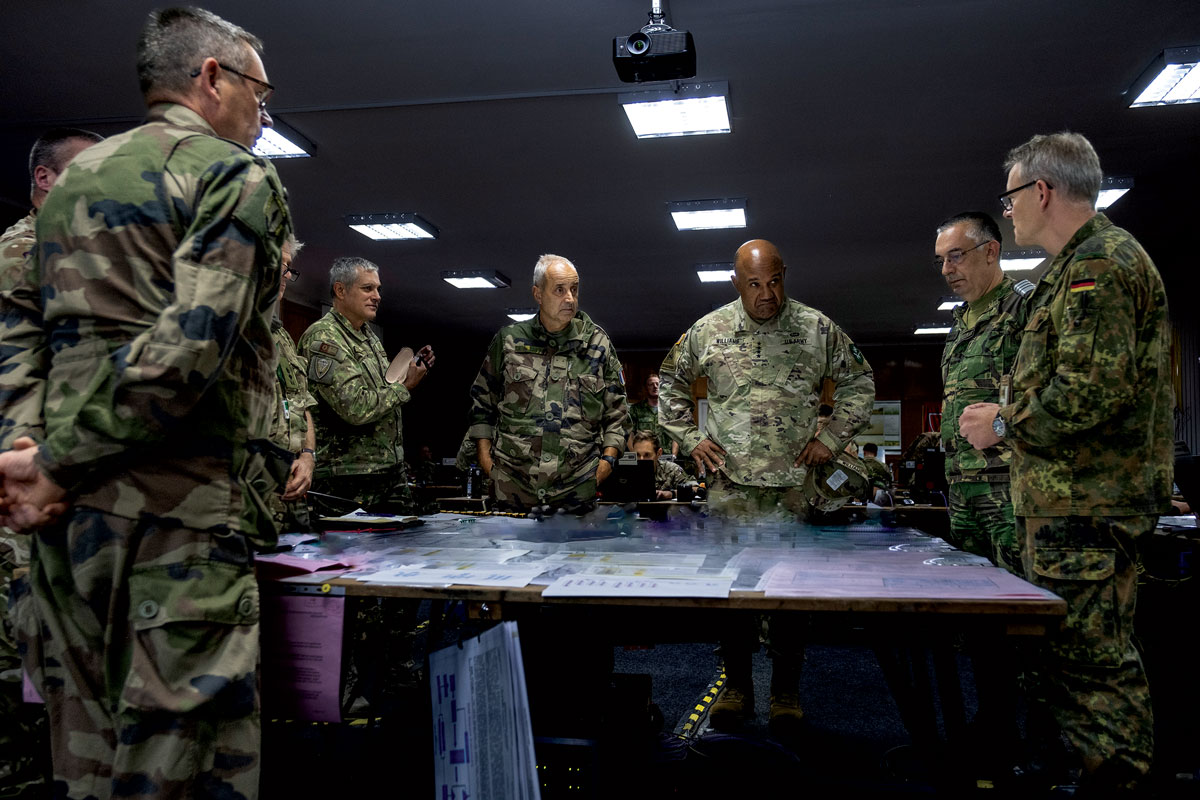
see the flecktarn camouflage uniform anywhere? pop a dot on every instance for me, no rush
(360, 454)
(764, 387)
(974, 363)
(1091, 429)
(24, 748)
(159, 251)
(550, 403)
(644, 417)
(289, 426)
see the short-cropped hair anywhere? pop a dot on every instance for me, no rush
(175, 41)
(543, 264)
(1067, 161)
(981, 226)
(345, 269)
(646, 436)
(47, 151)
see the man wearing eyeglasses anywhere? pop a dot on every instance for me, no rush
(293, 428)
(159, 254)
(979, 354)
(1090, 424)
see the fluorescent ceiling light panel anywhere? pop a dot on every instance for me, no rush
(381, 227)
(274, 144)
(705, 215)
(521, 314)
(1111, 190)
(714, 273)
(476, 279)
(1173, 78)
(950, 303)
(695, 109)
(1017, 260)
(931, 330)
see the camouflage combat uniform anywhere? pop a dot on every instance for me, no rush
(668, 475)
(974, 362)
(644, 417)
(879, 473)
(361, 452)
(550, 403)
(764, 387)
(289, 426)
(24, 748)
(159, 251)
(1091, 430)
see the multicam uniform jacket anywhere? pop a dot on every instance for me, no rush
(159, 251)
(668, 475)
(764, 388)
(549, 403)
(292, 397)
(974, 363)
(22, 356)
(1091, 417)
(357, 411)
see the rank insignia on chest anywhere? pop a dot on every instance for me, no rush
(329, 349)
(321, 365)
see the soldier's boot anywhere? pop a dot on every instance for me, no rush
(735, 705)
(786, 714)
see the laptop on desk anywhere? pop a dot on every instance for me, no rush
(629, 483)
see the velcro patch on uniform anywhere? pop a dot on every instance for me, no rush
(1085, 285)
(854, 351)
(319, 368)
(329, 349)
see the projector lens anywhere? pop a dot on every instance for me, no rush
(638, 43)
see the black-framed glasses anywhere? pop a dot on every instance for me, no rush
(262, 95)
(1006, 198)
(292, 275)
(955, 257)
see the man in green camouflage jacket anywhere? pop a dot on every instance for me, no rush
(548, 411)
(159, 255)
(361, 452)
(292, 426)
(766, 358)
(1090, 424)
(979, 354)
(23, 733)
(643, 415)
(668, 476)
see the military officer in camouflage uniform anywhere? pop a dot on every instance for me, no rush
(668, 476)
(24, 749)
(1090, 425)
(877, 471)
(361, 452)
(158, 252)
(979, 354)
(292, 428)
(643, 415)
(548, 410)
(766, 357)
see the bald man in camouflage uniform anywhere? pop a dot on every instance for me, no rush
(548, 409)
(361, 453)
(1090, 424)
(766, 358)
(159, 254)
(979, 354)
(23, 733)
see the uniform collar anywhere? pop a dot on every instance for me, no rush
(780, 322)
(1086, 231)
(574, 330)
(988, 301)
(363, 332)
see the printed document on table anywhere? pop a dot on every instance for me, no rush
(621, 586)
(506, 575)
(482, 736)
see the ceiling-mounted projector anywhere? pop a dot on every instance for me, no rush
(657, 52)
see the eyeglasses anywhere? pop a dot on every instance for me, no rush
(955, 257)
(1006, 198)
(262, 95)
(292, 275)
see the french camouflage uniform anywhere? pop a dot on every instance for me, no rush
(550, 403)
(159, 252)
(289, 425)
(668, 476)
(644, 417)
(361, 452)
(976, 361)
(764, 389)
(1091, 428)
(24, 748)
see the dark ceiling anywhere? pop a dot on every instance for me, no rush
(857, 126)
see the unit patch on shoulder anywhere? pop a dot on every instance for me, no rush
(854, 351)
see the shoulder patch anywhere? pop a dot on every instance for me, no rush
(854, 351)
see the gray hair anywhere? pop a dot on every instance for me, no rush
(1067, 161)
(981, 226)
(345, 269)
(543, 264)
(293, 244)
(47, 151)
(175, 41)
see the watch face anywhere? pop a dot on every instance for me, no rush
(998, 425)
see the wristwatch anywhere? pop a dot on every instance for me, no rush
(309, 450)
(612, 460)
(998, 426)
